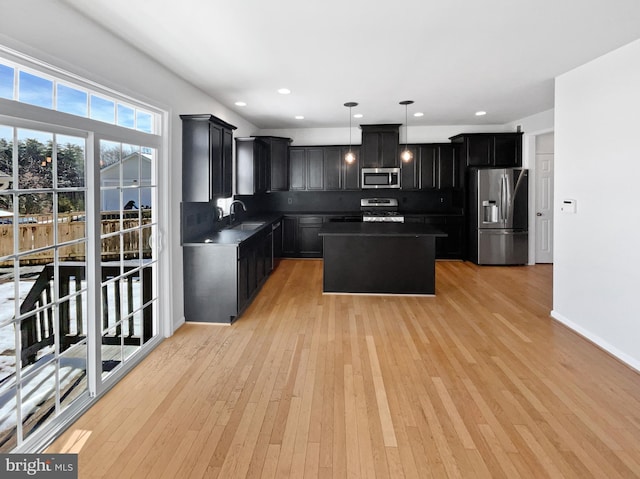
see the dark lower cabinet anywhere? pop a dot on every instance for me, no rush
(220, 281)
(300, 237)
(309, 242)
(451, 247)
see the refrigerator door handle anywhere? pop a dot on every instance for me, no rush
(518, 182)
(503, 198)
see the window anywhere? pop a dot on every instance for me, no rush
(38, 89)
(79, 266)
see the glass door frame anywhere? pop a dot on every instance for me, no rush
(21, 115)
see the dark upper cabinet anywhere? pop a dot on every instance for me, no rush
(447, 169)
(206, 166)
(432, 166)
(427, 166)
(262, 164)
(409, 170)
(251, 166)
(277, 150)
(297, 168)
(490, 149)
(315, 169)
(306, 168)
(338, 174)
(350, 171)
(227, 163)
(333, 168)
(380, 146)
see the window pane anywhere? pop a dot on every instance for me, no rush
(109, 153)
(111, 244)
(6, 225)
(35, 168)
(73, 373)
(6, 157)
(6, 82)
(35, 90)
(72, 309)
(71, 217)
(72, 101)
(38, 399)
(7, 293)
(35, 223)
(102, 109)
(76, 252)
(144, 121)
(7, 344)
(70, 161)
(130, 167)
(8, 421)
(126, 116)
(111, 351)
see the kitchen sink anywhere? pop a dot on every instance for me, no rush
(247, 226)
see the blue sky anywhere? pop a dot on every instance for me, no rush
(39, 91)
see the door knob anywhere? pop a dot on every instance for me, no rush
(538, 214)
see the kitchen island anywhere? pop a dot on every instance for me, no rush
(379, 258)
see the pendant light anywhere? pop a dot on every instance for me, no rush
(350, 157)
(406, 155)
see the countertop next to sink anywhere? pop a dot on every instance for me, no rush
(233, 237)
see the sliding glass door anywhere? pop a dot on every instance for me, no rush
(78, 269)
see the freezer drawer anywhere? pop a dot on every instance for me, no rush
(503, 247)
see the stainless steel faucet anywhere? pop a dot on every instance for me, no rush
(232, 210)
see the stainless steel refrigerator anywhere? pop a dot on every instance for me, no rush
(498, 214)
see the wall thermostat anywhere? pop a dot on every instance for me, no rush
(568, 206)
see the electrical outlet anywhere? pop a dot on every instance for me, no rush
(289, 201)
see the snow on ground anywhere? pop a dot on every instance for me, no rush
(41, 385)
(38, 389)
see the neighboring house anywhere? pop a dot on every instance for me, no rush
(136, 173)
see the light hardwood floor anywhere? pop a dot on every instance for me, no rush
(477, 382)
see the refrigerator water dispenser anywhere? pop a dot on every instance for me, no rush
(489, 212)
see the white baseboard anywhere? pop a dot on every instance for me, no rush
(598, 341)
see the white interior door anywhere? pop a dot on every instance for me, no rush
(544, 198)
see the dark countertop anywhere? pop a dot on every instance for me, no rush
(379, 229)
(233, 237)
(359, 213)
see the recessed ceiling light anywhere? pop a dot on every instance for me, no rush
(299, 117)
(240, 103)
(284, 91)
(358, 115)
(418, 113)
(481, 113)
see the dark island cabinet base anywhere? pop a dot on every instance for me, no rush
(379, 265)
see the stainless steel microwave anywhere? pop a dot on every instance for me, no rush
(380, 178)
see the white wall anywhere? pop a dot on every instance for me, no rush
(51, 31)
(597, 258)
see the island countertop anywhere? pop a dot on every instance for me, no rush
(379, 229)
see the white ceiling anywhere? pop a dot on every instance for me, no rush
(452, 57)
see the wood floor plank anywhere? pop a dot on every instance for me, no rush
(477, 381)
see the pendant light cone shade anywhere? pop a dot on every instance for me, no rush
(350, 157)
(406, 154)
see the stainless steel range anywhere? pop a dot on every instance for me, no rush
(380, 210)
